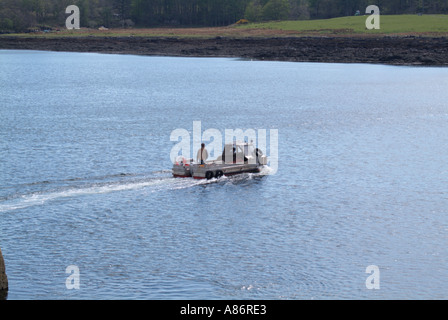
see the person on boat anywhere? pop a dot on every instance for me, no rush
(227, 153)
(202, 154)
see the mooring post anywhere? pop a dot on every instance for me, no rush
(3, 278)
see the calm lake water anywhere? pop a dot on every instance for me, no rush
(85, 179)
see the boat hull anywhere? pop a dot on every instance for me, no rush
(181, 171)
(209, 171)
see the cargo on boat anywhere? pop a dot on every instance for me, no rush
(236, 158)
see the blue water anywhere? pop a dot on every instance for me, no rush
(85, 179)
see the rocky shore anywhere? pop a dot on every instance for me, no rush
(394, 50)
(3, 279)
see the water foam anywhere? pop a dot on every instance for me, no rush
(41, 197)
(155, 184)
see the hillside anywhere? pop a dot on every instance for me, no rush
(404, 25)
(390, 24)
(402, 40)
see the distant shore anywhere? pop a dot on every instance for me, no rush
(393, 50)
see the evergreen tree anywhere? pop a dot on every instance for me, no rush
(276, 10)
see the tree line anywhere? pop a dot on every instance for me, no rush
(20, 15)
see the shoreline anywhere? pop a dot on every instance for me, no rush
(391, 50)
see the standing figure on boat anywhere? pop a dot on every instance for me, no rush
(202, 154)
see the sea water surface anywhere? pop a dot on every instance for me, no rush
(85, 179)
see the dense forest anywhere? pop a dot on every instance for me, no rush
(21, 15)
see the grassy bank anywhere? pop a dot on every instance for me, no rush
(426, 25)
(390, 24)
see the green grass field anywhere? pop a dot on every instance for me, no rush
(425, 25)
(389, 24)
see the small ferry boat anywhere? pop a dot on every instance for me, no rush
(239, 157)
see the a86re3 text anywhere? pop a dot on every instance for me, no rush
(230, 309)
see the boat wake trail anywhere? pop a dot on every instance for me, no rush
(39, 193)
